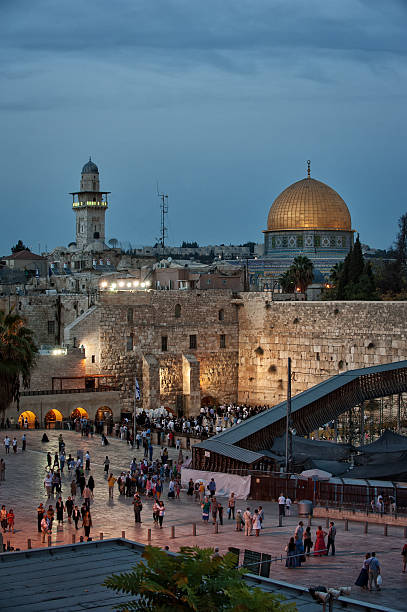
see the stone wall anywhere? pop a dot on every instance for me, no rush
(322, 339)
(49, 366)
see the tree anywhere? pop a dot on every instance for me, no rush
(20, 246)
(17, 358)
(189, 245)
(353, 279)
(302, 270)
(191, 580)
(286, 281)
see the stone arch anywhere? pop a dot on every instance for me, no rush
(103, 413)
(79, 413)
(53, 418)
(30, 416)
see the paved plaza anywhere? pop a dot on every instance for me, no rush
(23, 490)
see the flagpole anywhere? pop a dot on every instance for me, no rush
(134, 413)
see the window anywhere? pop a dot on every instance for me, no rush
(130, 315)
(51, 327)
(192, 341)
(177, 311)
(221, 314)
(222, 341)
(130, 342)
(93, 358)
(164, 343)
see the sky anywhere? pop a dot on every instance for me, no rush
(221, 102)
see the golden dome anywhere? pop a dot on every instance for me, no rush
(308, 204)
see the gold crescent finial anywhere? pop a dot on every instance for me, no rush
(309, 167)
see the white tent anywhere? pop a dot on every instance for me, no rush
(316, 474)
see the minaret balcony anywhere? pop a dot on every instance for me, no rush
(98, 204)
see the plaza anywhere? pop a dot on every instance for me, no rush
(23, 490)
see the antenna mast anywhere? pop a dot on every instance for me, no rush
(163, 211)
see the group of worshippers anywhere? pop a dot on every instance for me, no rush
(300, 544)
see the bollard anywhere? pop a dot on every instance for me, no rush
(149, 535)
(28, 543)
(101, 535)
(405, 532)
(49, 541)
(172, 532)
(327, 522)
(73, 538)
(280, 520)
(366, 529)
(346, 525)
(385, 530)
(216, 528)
(123, 535)
(194, 529)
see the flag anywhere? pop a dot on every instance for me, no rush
(137, 393)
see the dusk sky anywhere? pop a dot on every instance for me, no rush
(222, 101)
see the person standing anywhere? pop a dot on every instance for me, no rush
(299, 544)
(220, 513)
(404, 556)
(214, 509)
(156, 512)
(308, 543)
(87, 461)
(212, 487)
(281, 505)
(11, 520)
(2, 470)
(14, 443)
(91, 485)
(137, 506)
(60, 507)
(87, 494)
(62, 461)
(73, 489)
(110, 483)
(331, 538)
(291, 560)
(3, 518)
(374, 572)
(69, 508)
(239, 521)
(76, 515)
(288, 503)
(261, 516)
(7, 445)
(48, 484)
(44, 528)
(247, 517)
(161, 513)
(23, 442)
(87, 523)
(206, 506)
(231, 506)
(320, 548)
(40, 516)
(256, 522)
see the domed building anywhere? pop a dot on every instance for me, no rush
(308, 218)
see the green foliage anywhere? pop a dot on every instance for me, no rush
(299, 275)
(189, 245)
(353, 279)
(20, 246)
(17, 357)
(191, 580)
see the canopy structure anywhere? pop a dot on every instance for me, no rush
(389, 442)
(304, 448)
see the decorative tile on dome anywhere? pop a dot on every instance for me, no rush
(325, 241)
(308, 241)
(292, 241)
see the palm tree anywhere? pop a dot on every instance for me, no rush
(302, 270)
(286, 281)
(17, 358)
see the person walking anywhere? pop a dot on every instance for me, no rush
(288, 504)
(87, 523)
(49, 460)
(76, 515)
(161, 513)
(50, 516)
(2, 469)
(206, 506)
(62, 461)
(331, 538)
(91, 485)
(7, 443)
(87, 494)
(214, 509)
(212, 487)
(156, 512)
(23, 442)
(73, 489)
(320, 548)
(48, 484)
(220, 513)
(374, 572)
(190, 487)
(40, 516)
(138, 507)
(87, 461)
(239, 521)
(60, 507)
(106, 464)
(362, 580)
(281, 505)
(231, 506)
(247, 517)
(261, 516)
(14, 444)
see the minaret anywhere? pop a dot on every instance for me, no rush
(90, 205)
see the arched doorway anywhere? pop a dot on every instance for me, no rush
(103, 413)
(79, 413)
(53, 419)
(30, 416)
